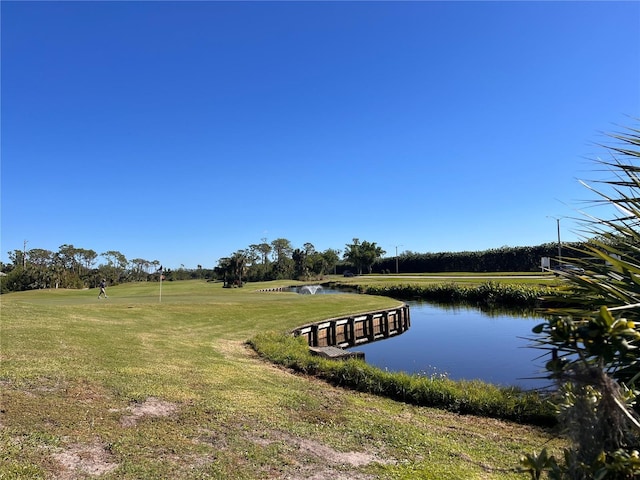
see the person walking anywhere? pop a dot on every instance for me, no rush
(103, 289)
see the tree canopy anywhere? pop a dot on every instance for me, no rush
(362, 255)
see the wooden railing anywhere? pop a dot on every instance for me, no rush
(356, 329)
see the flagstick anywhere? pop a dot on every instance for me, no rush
(160, 300)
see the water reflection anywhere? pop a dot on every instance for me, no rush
(463, 343)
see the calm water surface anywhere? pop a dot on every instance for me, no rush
(463, 343)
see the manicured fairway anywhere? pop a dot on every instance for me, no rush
(134, 388)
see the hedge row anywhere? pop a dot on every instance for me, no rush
(489, 294)
(504, 259)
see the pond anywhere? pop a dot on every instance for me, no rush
(462, 343)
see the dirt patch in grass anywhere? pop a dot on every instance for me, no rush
(356, 459)
(78, 461)
(327, 474)
(151, 407)
(316, 461)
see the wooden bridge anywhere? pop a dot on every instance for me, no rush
(354, 330)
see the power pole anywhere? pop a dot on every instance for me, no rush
(397, 257)
(557, 219)
(559, 243)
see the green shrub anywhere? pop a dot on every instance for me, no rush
(593, 341)
(489, 294)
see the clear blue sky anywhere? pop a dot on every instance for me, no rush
(182, 132)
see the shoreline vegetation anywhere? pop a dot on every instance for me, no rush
(170, 389)
(485, 295)
(465, 397)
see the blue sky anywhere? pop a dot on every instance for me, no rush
(184, 131)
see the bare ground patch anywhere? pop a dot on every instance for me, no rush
(151, 407)
(317, 461)
(78, 461)
(302, 458)
(311, 447)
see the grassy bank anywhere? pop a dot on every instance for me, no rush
(130, 388)
(466, 397)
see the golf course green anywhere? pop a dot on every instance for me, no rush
(141, 387)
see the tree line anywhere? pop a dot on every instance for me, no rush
(73, 267)
(278, 259)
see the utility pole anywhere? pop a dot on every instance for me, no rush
(559, 243)
(557, 219)
(397, 257)
(24, 254)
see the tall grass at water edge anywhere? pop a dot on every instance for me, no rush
(489, 294)
(464, 397)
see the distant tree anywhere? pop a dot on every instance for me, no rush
(117, 264)
(281, 249)
(69, 260)
(139, 269)
(252, 256)
(155, 265)
(39, 263)
(58, 272)
(371, 254)
(223, 270)
(17, 258)
(330, 258)
(180, 274)
(232, 269)
(261, 251)
(312, 261)
(300, 270)
(68, 256)
(115, 258)
(40, 257)
(78, 261)
(264, 249)
(283, 263)
(17, 280)
(352, 254)
(237, 262)
(362, 255)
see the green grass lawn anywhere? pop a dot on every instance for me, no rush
(133, 388)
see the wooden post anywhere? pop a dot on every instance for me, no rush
(385, 324)
(408, 312)
(352, 331)
(332, 334)
(370, 334)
